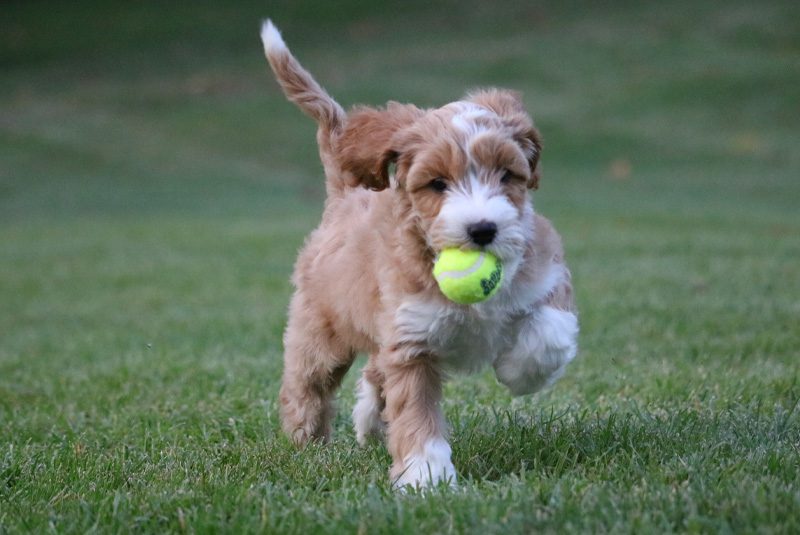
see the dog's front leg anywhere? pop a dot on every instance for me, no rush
(546, 343)
(416, 427)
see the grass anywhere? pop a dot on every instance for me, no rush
(155, 186)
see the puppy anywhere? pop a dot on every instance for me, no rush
(363, 280)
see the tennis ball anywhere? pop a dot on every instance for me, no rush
(467, 277)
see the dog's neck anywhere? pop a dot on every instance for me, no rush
(409, 248)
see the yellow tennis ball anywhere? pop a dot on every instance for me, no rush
(467, 277)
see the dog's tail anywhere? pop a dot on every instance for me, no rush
(300, 87)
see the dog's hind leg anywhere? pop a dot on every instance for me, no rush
(370, 403)
(315, 361)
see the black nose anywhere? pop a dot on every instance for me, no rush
(482, 232)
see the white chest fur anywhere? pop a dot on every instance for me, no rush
(465, 338)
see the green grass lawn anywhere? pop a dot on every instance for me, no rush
(155, 187)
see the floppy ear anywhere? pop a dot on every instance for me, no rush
(364, 149)
(508, 105)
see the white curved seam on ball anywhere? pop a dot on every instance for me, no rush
(453, 274)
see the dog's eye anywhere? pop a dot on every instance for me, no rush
(438, 184)
(507, 177)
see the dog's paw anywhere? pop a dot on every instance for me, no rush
(427, 468)
(545, 346)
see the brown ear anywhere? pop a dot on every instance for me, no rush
(508, 105)
(364, 150)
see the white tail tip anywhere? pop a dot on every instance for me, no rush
(271, 37)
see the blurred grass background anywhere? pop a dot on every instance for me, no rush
(155, 186)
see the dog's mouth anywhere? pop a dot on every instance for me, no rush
(502, 251)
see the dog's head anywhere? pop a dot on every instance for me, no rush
(464, 168)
